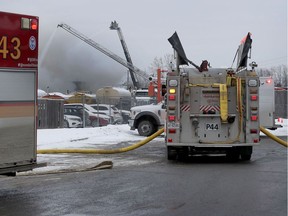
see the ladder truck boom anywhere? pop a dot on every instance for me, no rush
(114, 26)
(99, 48)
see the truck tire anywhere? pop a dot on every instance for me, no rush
(246, 157)
(246, 153)
(12, 174)
(171, 153)
(183, 153)
(233, 154)
(146, 128)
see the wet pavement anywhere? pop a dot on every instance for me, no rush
(143, 182)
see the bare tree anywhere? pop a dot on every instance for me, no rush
(278, 73)
(165, 63)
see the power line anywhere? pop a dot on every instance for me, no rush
(273, 61)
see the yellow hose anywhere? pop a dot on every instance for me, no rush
(102, 151)
(134, 146)
(282, 142)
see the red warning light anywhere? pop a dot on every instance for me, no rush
(254, 118)
(34, 24)
(171, 97)
(172, 130)
(268, 81)
(254, 97)
(171, 118)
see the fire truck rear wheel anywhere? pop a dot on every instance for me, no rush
(245, 157)
(10, 174)
(233, 154)
(246, 153)
(146, 128)
(171, 153)
(183, 153)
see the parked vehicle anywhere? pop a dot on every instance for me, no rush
(125, 115)
(90, 109)
(147, 119)
(141, 97)
(91, 119)
(71, 121)
(109, 110)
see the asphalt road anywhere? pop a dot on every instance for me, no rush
(151, 185)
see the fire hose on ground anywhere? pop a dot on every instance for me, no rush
(270, 135)
(134, 146)
(102, 151)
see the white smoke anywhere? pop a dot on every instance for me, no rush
(66, 60)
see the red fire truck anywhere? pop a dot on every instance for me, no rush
(18, 92)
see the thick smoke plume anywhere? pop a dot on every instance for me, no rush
(67, 64)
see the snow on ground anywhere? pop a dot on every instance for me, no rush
(75, 138)
(281, 131)
(97, 138)
(85, 137)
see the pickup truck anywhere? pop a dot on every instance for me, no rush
(147, 119)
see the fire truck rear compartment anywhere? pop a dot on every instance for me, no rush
(203, 122)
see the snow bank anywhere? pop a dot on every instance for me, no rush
(86, 137)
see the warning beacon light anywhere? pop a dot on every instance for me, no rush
(34, 24)
(172, 91)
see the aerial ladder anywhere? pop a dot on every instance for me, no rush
(114, 26)
(134, 70)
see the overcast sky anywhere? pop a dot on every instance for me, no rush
(207, 29)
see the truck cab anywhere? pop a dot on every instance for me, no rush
(147, 119)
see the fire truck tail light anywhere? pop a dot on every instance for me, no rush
(254, 118)
(253, 131)
(170, 140)
(255, 140)
(253, 91)
(34, 24)
(171, 97)
(171, 118)
(172, 91)
(172, 107)
(172, 130)
(254, 97)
